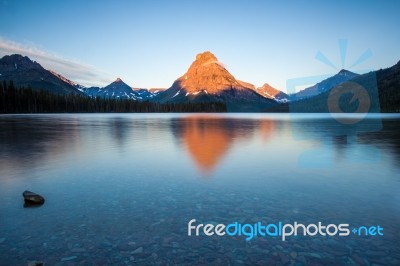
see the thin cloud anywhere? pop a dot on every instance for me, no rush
(80, 73)
(215, 62)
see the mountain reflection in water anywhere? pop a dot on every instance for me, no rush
(207, 139)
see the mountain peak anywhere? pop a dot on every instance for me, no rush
(118, 85)
(25, 72)
(207, 80)
(326, 84)
(16, 57)
(207, 73)
(345, 71)
(270, 92)
(18, 61)
(206, 57)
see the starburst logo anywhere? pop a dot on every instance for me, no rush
(359, 95)
(345, 94)
(348, 99)
(343, 44)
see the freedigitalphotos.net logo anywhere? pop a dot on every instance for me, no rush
(280, 229)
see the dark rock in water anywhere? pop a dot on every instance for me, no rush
(32, 199)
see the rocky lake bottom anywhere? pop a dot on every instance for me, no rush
(121, 189)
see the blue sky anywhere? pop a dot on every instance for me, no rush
(151, 43)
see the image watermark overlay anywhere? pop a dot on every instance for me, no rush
(280, 230)
(351, 102)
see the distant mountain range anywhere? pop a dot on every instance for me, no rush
(119, 90)
(27, 73)
(206, 81)
(382, 89)
(325, 85)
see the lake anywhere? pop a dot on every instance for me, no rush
(121, 189)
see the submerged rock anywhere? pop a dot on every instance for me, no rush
(69, 258)
(36, 263)
(137, 251)
(32, 199)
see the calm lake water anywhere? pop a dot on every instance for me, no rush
(120, 189)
